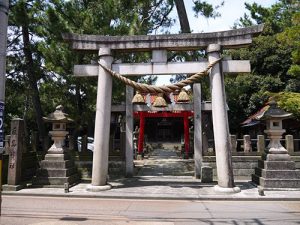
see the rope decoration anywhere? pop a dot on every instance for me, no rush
(146, 88)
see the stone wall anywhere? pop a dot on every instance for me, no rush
(243, 166)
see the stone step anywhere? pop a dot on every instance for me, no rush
(238, 172)
(243, 172)
(54, 181)
(244, 165)
(279, 183)
(56, 172)
(276, 165)
(48, 164)
(278, 174)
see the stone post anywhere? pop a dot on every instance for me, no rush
(220, 124)
(289, 143)
(260, 143)
(247, 143)
(198, 157)
(129, 132)
(122, 138)
(102, 124)
(71, 143)
(34, 140)
(233, 143)
(15, 155)
(84, 143)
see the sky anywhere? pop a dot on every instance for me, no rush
(230, 13)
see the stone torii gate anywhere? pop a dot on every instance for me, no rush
(213, 43)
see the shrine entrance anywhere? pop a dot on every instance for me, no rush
(163, 129)
(164, 126)
(212, 65)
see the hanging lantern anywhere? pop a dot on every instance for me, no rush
(138, 99)
(183, 97)
(160, 101)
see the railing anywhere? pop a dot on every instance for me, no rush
(248, 146)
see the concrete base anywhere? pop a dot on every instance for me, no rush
(8, 187)
(223, 190)
(93, 188)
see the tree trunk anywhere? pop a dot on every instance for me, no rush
(183, 19)
(31, 71)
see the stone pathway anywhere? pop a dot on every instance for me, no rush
(166, 162)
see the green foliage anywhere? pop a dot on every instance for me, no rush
(289, 101)
(273, 56)
(207, 10)
(291, 37)
(246, 94)
(53, 60)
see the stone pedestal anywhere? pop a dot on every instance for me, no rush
(55, 171)
(276, 171)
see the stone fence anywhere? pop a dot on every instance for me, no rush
(248, 146)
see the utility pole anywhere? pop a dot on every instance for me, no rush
(3, 43)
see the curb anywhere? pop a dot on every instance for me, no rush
(137, 197)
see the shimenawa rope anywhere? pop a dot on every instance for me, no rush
(146, 88)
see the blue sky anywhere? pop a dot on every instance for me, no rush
(230, 12)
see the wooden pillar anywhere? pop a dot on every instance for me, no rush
(186, 135)
(141, 133)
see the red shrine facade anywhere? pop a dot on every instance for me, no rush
(164, 126)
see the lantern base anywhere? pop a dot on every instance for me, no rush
(56, 170)
(276, 171)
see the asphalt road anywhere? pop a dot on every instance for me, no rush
(20, 210)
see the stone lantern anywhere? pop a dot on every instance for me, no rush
(276, 170)
(57, 169)
(59, 121)
(274, 117)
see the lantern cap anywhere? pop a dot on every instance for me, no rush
(58, 116)
(274, 112)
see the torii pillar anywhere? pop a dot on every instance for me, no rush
(102, 124)
(220, 124)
